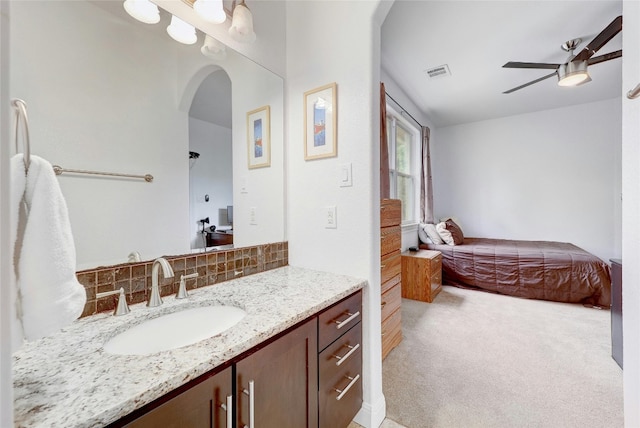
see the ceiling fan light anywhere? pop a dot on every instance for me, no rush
(572, 73)
(182, 32)
(143, 11)
(210, 10)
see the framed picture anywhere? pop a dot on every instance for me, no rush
(259, 137)
(320, 124)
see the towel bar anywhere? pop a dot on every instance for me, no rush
(59, 170)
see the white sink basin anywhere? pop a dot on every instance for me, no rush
(174, 330)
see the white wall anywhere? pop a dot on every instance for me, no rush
(631, 214)
(211, 174)
(551, 175)
(338, 42)
(6, 150)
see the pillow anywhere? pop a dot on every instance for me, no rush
(422, 235)
(432, 233)
(456, 232)
(450, 232)
(444, 233)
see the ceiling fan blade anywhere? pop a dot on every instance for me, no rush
(514, 64)
(600, 40)
(605, 57)
(530, 83)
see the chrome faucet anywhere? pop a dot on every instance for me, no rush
(154, 298)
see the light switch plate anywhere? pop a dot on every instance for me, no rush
(330, 217)
(252, 216)
(346, 176)
(244, 185)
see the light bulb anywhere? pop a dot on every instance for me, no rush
(182, 32)
(210, 10)
(143, 11)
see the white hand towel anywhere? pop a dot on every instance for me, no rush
(18, 184)
(50, 296)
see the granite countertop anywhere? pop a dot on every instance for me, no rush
(68, 380)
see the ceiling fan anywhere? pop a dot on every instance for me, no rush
(574, 71)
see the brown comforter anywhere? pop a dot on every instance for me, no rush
(544, 270)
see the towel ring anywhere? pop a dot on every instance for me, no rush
(21, 111)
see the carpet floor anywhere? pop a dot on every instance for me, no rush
(475, 359)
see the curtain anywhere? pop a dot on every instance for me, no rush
(384, 148)
(426, 185)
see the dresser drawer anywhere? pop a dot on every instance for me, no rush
(391, 332)
(339, 318)
(390, 239)
(340, 393)
(390, 301)
(390, 212)
(390, 265)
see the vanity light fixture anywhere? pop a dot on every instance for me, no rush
(143, 11)
(242, 23)
(210, 10)
(213, 48)
(182, 32)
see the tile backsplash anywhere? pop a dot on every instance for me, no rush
(212, 268)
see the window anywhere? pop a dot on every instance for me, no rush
(402, 138)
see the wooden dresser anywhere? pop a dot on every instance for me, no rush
(390, 263)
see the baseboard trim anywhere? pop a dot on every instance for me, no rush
(372, 416)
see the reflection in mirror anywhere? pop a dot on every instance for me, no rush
(210, 162)
(109, 93)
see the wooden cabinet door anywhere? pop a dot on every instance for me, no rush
(197, 407)
(282, 381)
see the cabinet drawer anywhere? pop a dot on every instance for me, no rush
(391, 333)
(390, 212)
(386, 286)
(391, 301)
(337, 319)
(390, 239)
(335, 357)
(390, 266)
(436, 263)
(340, 394)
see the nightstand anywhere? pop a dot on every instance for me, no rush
(421, 275)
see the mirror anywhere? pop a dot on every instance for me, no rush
(108, 93)
(210, 163)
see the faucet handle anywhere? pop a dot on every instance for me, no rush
(182, 291)
(121, 308)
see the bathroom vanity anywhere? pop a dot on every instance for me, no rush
(294, 360)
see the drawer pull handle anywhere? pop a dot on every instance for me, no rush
(341, 324)
(383, 304)
(251, 394)
(229, 409)
(382, 266)
(238, 272)
(342, 359)
(341, 392)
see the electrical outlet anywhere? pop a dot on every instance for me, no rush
(330, 220)
(252, 216)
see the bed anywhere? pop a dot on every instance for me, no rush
(543, 270)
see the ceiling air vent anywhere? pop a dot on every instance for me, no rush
(439, 71)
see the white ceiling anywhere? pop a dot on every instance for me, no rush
(475, 38)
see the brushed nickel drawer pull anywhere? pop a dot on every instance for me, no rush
(341, 324)
(251, 394)
(634, 93)
(229, 409)
(342, 359)
(341, 392)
